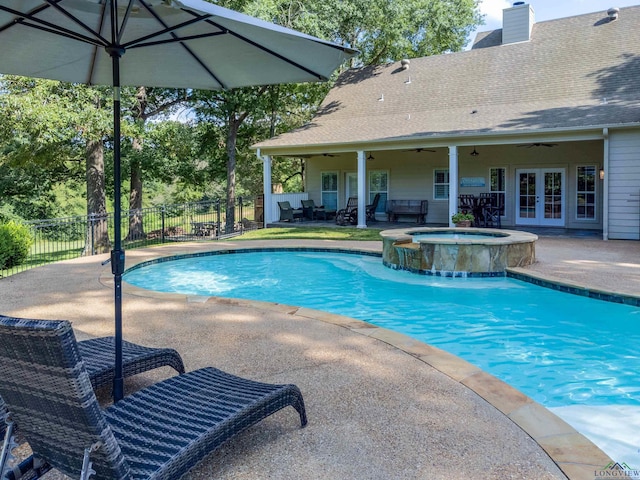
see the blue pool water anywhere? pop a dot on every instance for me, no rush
(575, 355)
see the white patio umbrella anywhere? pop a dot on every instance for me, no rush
(161, 43)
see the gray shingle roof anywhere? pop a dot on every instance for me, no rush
(575, 73)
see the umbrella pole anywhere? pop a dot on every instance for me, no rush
(117, 254)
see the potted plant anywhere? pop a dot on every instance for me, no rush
(462, 219)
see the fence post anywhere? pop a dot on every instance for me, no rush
(162, 215)
(241, 214)
(92, 220)
(217, 218)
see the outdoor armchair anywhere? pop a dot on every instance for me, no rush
(311, 211)
(288, 213)
(158, 432)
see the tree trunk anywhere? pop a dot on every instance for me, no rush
(136, 226)
(97, 238)
(232, 138)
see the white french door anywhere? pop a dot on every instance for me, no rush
(351, 183)
(540, 196)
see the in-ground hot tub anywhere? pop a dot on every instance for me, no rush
(457, 252)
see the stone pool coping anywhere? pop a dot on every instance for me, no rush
(494, 236)
(575, 455)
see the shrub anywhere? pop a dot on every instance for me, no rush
(15, 242)
(462, 217)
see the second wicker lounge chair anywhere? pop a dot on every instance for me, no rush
(158, 432)
(98, 356)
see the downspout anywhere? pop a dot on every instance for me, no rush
(362, 191)
(605, 187)
(267, 188)
(453, 182)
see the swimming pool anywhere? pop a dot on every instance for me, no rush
(572, 354)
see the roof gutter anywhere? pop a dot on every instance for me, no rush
(447, 140)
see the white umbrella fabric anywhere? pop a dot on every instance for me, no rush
(156, 43)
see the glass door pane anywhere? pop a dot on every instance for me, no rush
(553, 195)
(527, 195)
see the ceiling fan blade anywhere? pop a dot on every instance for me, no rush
(531, 145)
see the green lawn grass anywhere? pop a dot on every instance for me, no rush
(361, 234)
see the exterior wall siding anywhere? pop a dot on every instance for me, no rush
(411, 174)
(624, 185)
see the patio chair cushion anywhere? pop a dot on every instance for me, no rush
(158, 432)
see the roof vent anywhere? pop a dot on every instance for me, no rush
(405, 64)
(613, 13)
(515, 4)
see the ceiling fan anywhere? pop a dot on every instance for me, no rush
(420, 150)
(530, 145)
(312, 155)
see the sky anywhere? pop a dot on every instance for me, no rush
(546, 10)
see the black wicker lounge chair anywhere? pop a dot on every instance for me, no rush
(158, 432)
(98, 356)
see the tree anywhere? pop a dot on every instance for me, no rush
(97, 240)
(229, 110)
(51, 130)
(383, 30)
(56, 127)
(148, 103)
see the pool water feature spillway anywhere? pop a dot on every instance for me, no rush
(457, 252)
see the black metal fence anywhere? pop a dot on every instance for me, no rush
(72, 237)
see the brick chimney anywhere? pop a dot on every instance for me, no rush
(517, 23)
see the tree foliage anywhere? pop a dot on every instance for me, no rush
(48, 126)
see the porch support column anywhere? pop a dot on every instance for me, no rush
(605, 186)
(362, 190)
(453, 182)
(267, 188)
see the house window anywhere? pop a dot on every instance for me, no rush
(329, 192)
(441, 184)
(586, 193)
(498, 184)
(379, 183)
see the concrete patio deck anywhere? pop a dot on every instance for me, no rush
(380, 405)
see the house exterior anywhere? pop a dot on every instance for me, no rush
(546, 115)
